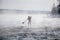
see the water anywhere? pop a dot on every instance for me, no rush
(44, 26)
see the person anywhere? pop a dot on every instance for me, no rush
(29, 20)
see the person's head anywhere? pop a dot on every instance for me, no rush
(29, 16)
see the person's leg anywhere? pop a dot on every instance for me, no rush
(28, 23)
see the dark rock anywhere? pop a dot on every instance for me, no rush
(56, 39)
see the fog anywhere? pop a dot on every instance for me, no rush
(38, 20)
(42, 5)
(45, 25)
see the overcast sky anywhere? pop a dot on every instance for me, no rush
(44, 5)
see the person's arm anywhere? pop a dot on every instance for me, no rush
(25, 21)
